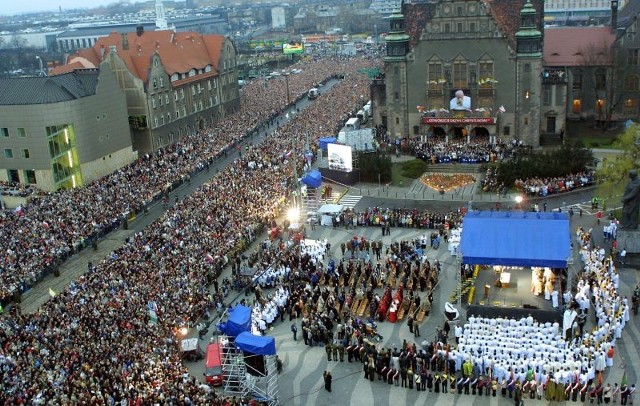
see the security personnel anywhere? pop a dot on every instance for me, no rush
(335, 352)
(341, 352)
(350, 353)
(327, 348)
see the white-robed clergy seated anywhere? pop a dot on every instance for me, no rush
(460, 102)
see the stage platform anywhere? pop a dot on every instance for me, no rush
(515, 300)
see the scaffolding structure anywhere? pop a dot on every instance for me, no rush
(310, 200)
(243, 379)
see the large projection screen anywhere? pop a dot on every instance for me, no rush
(340, 157)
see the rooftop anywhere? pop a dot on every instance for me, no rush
(575, 46)
(180, 52)
(52, 89)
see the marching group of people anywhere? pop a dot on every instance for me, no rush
(113, 351)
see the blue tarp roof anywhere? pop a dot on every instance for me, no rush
(323, 142)
(313, 179)
(239, 321)
(516, 239)
(261, 345)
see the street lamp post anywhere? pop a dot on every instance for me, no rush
(41, 72)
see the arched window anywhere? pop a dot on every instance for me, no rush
(632, 83)
(460, 73)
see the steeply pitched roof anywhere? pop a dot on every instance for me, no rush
(416, 16)
(628, 13)
(52, 89)
(576, 46)
(179, 51)
(506, 14)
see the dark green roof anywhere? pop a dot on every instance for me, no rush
(52, 89)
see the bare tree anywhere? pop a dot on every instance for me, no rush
(600, 67)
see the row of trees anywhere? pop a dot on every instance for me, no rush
(373, 165)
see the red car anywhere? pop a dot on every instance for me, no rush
(213, 372)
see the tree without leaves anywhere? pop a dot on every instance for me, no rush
(601, 63)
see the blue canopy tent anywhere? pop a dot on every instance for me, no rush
(313, 179)
(260, 345)
(239, 321)
(516, 239)
(323, 142)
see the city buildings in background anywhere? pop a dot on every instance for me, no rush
(176, 83)
(63, 131)
(524, 81)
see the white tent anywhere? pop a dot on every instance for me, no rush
(327, 212)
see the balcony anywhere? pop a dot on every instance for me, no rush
(554, 76)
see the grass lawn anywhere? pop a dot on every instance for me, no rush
(592, 137)
(396, 176)
(598, 142)
(404, 173)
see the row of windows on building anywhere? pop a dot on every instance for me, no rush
(28, 176)
(24, 153)
(460, 27)
(76, 43)
(461, 74)
(160, 119)
(179, 76)
(179, 95)
(20, 132)
(573, 4)
(629, 106)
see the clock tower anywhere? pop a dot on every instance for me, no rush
(395, 62)
(528, 77)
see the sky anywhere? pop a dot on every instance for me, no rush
(27, 6)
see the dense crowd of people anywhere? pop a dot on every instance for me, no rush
(405, 218)
(505, 357)
(539, 187)
(17, 189)
(45, 232)
(547, 186)
(95, 342)
(480, 150)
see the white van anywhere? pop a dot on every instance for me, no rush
(367, 108)
(362, 116)
(352, 124)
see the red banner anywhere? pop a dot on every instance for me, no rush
(457, 121)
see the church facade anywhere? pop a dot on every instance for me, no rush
(463, 69)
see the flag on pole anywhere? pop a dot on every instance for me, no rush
(52, 293)
(501, 109)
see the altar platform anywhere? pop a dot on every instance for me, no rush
(512, 298)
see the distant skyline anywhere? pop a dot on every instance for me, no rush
(29, 6)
